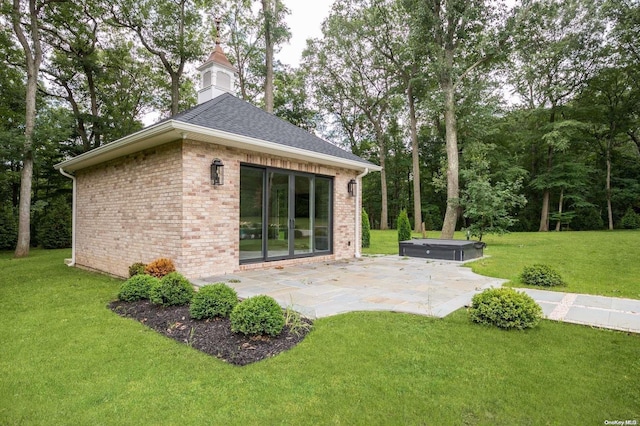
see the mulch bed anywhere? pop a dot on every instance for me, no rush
(212, 336)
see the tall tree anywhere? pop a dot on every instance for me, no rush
(171, 30)
(609, 104)
(106, 84)
(457, 36)
(245, 43)
(556, 51)
(25, 19)
(347, 69)
(275, 32)
(383, 25)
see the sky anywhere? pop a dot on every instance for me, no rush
(304, 22)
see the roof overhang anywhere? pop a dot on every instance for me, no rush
(172, 130)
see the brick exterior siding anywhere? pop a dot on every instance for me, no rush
(160, 203)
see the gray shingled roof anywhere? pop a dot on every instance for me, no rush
(231, 114)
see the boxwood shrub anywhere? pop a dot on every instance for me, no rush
(136, 269)
(172, 289)
(541, 275)
(505, 308)
(257, 315)
(213, 300)
(137, 288)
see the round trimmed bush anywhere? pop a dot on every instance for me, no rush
(541, 275)
(136, 269)
(172, 289)
(505, 308)
(136, 288)
(213, 301)
(257, 315)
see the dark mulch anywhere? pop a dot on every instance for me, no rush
(213, 336)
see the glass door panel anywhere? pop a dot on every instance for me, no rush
(278, 215)
(322, 215)
(302, 233)
(251, 190)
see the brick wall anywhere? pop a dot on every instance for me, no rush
(130, 210)
(160, 203)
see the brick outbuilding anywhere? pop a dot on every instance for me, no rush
(219, 188)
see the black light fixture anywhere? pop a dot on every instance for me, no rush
(351, 188)
(217, 172)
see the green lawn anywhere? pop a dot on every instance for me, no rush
(67, 359)
(600, 262)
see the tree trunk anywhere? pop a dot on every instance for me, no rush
(559, 222)
(268, 41)
(415, 156)
(33, 56)
(544, 213)
(453, 190)
(175, 93)
(609, 209)
(384, 212)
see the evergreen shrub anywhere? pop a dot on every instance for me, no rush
(366, 230)
(212, 301)
(257, 315)
(8, 227)
(505, 308)
(541, 275)
(630, 220)
(137, 288)
(53, 230)
(160, 267)
(404, 226)
(172, 289)
(136, 269)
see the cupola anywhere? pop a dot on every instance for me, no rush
(217, 74)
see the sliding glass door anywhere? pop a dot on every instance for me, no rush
(296, 215)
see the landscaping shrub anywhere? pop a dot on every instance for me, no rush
(257, 315)
(137, 288)
(53, 230)
(160, 267)
(505, 308)
(172, 289)
(212, 301)
(366, 230)
(541, 275)
(404, 226)
(136, 269)
(630, 220)
(8, 227)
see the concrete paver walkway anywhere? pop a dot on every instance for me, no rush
(598, 311)
(380, 283)
(412, 285)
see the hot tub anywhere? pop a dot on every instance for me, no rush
(431, 248)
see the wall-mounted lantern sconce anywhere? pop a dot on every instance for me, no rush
(217, 172)
(351, 188)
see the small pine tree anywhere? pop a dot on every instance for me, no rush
(8, 228)
(54, 228)
(630, 220)
(404, 226)
(366, 230)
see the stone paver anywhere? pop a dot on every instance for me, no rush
(380, 283)
(411, 285)
(597, 311)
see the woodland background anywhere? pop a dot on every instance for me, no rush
(485, 115)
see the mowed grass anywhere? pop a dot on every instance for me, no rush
(599, 262)
(67, 359)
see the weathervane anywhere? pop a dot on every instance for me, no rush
(218, 21)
